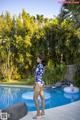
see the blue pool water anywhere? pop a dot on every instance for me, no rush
(53, 97)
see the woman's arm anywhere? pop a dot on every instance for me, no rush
(34, 86)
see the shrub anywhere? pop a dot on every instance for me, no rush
(54, 74)
(30, 80)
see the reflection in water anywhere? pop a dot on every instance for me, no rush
(8, 95)
(72, 97)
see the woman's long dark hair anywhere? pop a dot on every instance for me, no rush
(42, 59)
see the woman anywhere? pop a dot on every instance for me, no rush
(39, 86)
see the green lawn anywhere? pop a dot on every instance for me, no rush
(18, 82)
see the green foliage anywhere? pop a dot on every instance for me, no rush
(53, 74)
(24, 37)
(71, 12)
(30, 80)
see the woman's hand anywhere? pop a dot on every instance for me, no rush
(34, 86)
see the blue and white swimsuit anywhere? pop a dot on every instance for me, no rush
(38, 74)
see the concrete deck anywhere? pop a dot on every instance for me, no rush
(65, 112)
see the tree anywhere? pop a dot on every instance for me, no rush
(22, 39)
(71, 12)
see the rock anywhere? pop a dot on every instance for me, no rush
(16, 111)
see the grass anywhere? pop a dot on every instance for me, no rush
(18, 82)
(14, 82)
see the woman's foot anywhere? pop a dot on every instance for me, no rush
(38, 113)
(42, 112)
(36, 117)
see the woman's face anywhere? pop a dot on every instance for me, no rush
(38, 60)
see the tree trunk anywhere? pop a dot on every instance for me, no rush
(70, 72)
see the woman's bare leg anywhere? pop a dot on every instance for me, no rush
(42, 101)
(36, 93)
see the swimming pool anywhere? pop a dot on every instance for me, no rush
(53, 96)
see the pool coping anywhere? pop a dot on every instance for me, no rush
(23, 86)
